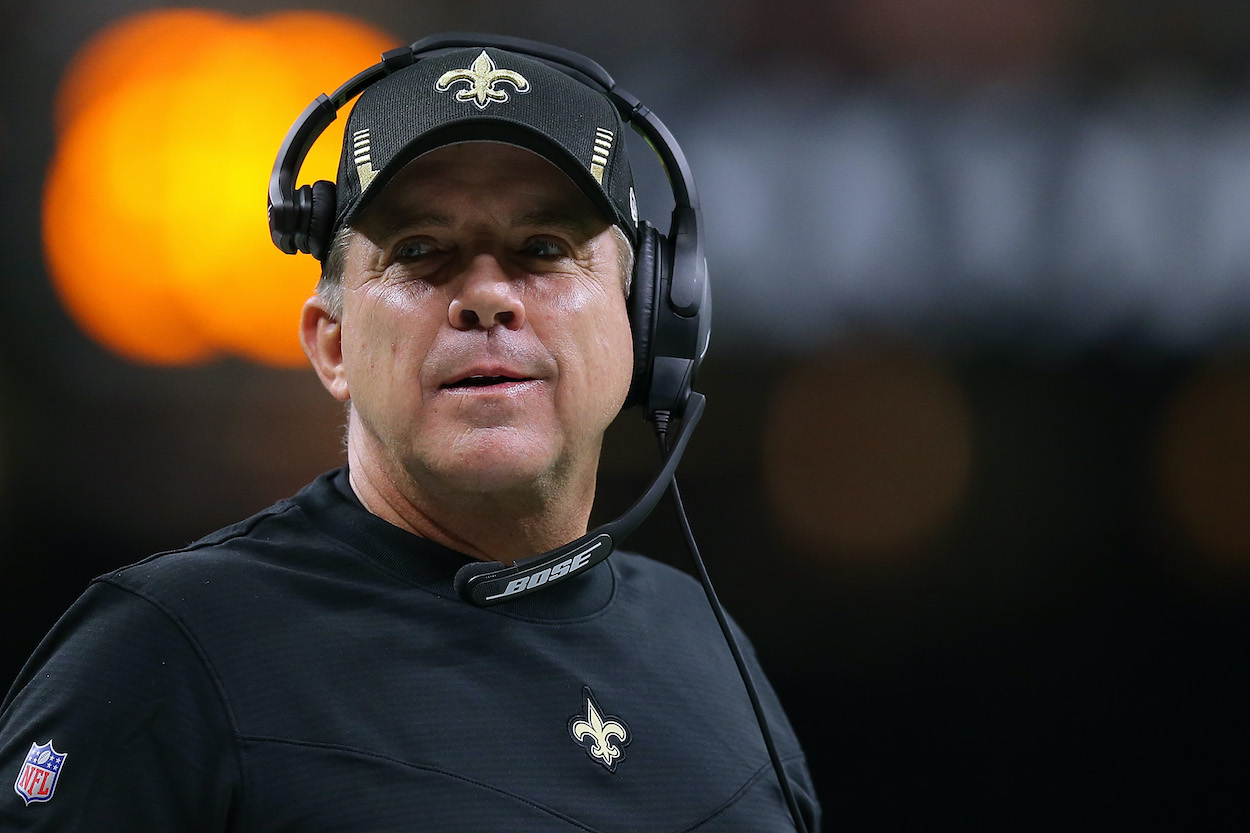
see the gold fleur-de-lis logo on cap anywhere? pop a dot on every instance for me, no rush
(482, 79)
(595, 734)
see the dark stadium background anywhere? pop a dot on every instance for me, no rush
(975, 470)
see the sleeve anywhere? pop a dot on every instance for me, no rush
(116, 724)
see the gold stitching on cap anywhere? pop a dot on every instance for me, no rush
(599, 155)
(361, 157)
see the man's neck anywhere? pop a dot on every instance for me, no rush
(487, 526)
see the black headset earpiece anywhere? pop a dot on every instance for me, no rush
(309, 220)
(645, 283)
(324, 204)
(670, 309)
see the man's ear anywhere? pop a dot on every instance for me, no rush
(321, 334)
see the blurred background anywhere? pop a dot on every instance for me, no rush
(975, 471)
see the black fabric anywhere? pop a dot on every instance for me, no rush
(311, 669)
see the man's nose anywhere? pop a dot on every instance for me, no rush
(487, 296)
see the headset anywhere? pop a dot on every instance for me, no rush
(669, 311)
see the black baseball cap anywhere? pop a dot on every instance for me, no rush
(486, 94)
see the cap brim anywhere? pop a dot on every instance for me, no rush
(487, 130)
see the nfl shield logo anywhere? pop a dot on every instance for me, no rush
(38, 777)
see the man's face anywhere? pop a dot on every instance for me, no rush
(485, 339)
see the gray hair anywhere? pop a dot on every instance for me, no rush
(330, 286)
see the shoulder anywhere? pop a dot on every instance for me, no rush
(230, 586)
(643, 574)
(116, 685)
(245, 553)
(665, 592)
(160, 618)
(149, 611)
(231, 547)
(668, 600)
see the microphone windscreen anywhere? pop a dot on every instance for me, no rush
(468, 571)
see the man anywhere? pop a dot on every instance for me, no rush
(314, 667)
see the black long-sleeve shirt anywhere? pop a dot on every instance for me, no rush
(312, 669)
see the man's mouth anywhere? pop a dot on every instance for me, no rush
(483, 381)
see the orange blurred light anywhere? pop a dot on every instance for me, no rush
(154, 206)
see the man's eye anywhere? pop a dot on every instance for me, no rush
(543, 248)
(412, 250)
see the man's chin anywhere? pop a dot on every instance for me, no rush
(500, 465)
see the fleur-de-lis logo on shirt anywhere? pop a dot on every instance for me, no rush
(482, 79)
(595, 733)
